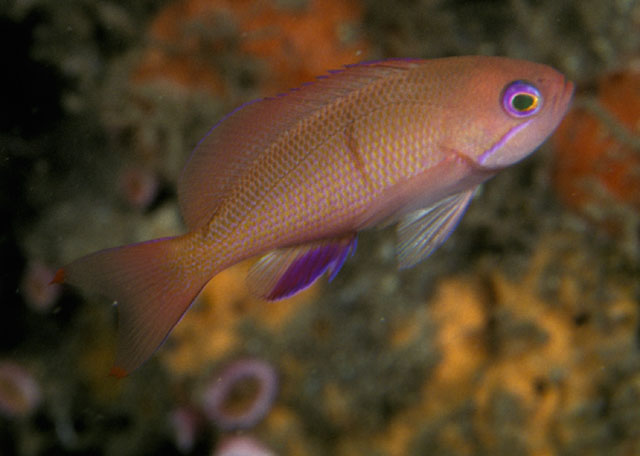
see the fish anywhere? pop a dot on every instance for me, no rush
(294, 178)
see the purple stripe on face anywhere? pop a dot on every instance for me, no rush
(502, 141)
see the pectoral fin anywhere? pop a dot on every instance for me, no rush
(423, 231)
(285, 272)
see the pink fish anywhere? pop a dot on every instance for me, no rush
(295, 177)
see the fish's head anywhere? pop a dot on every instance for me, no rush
(515, 106)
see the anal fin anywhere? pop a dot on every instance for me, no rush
(285, 272)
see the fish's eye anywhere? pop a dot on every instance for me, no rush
(521, 99)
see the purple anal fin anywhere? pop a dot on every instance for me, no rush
(285, 272)
(336, 265)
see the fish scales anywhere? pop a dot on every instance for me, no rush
(345, 156)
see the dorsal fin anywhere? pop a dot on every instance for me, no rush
(241, 136)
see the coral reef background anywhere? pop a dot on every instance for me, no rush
(519, 336)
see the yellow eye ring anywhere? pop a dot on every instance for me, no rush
(524, 102)
(521, 99)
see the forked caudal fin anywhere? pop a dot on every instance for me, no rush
(153, 288)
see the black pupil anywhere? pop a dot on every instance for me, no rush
(522, 101)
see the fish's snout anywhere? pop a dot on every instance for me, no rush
(568, 88)
(561, 99)
(566, 96)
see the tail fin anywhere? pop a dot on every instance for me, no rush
(153, 283)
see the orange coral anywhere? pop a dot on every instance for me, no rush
(293, 44)
(597, 157)
(300, 45)
(551, 370)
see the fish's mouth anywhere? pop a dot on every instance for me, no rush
(569, 87)
(562, 102)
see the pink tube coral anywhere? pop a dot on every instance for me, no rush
(242, 446)
(225, 391)
(20, 393)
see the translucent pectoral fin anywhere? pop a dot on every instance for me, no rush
(423, 231)
(285, 272)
